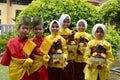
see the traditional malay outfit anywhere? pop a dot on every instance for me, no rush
(82, 39)
(17, 53)
(98, 57)
(38, 70)
(68, 35)
(57, 50)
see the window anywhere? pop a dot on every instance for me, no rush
(17, 12)
(22, 2)
(0, 21)
(3, 1)
(0, 12)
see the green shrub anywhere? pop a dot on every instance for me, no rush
(52, 9)
(111, 11)
(113, 37)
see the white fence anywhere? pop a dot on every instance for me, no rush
(5, 28)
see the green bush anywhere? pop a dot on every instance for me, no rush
(2, 44)
(52, 9)
(111, 11)
(113, 37)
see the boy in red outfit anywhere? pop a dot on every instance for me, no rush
(17, 52)
(38, 70)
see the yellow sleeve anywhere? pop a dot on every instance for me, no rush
(64, 47)
(76, 35)
(88, 52)
(110, 57)
(88, 37)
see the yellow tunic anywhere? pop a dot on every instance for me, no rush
(91, 74)
(66, 32)
(79, 58)
(53, 38)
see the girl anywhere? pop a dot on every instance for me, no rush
(38, 70)
(65, 32)
(17, 52)
(58, 53)
(82, 39)
(98, 55)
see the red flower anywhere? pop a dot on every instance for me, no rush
(85, 43)
(99, 55)
(59, 41)
(69, 42)
(76, 41)
(73, 32)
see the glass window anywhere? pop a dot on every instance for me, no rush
(0, 12)
(3, 1)
(21, 2)
(17, 12)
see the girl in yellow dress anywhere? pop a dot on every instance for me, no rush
(57, 52)
(82, 39)
(98, 55)
(65, 32)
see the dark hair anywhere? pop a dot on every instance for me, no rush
(55, 22)
(37, 21)
(25, 20)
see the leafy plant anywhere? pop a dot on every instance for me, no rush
(111, 13)
(114, 38)
(52, 9)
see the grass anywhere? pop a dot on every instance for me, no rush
(4, 73)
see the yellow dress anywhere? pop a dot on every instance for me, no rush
(91, 73)
(54, 38)
(79, 58)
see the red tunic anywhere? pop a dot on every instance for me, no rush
(14, 49)
(41, 73)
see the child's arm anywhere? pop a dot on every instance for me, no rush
(109, 54)
(87, 53)
(64, 47)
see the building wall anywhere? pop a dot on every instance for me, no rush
(16, 7)
(3, 16)
(4, 12)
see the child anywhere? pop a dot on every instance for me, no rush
(38, 70)
(65, 32)
(82, 39)
(98, 55)
(17, 52)
(57, 52)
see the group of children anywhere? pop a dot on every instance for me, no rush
(62, 55)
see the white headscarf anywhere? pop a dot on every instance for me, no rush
(96, 26)
(51, 23)
(81, 20)
(62, 17)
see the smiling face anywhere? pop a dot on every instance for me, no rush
(66, 22)
(55, 28)
(38, 31)
(81, 27)
(99, 34)
(23, 31)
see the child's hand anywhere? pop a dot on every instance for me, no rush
(46, 57)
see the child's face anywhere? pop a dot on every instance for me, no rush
(81, 27)
(55, 28)
(38, 31)
(66, 23)
(24, 31)
(99, 34)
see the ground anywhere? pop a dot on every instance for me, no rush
(4, 72)
(115, 76)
